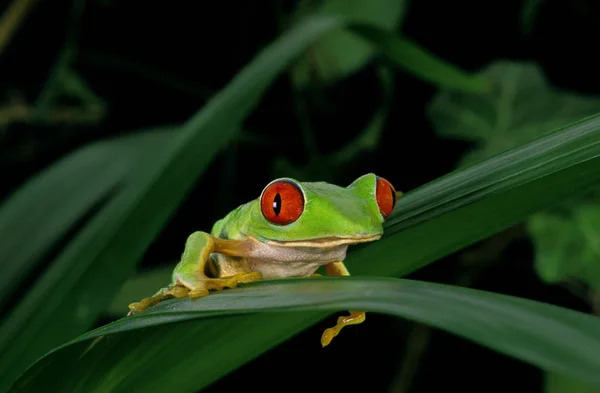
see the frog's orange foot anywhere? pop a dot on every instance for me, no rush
(251, 277)
(202, 287)
(316, 275)
(176, 291)
(354, 318)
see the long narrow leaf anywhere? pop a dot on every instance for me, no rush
(183, 332)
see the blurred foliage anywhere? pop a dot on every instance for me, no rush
(124, 126)
(522, 107)
(567, 243)
(342, 52)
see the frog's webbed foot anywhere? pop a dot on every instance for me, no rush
(354, 318)
(176, 291)
(201, 286)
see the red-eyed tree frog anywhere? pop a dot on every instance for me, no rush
(290, 230)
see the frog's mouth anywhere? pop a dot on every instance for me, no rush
(324, 242)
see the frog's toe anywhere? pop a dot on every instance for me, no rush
(199, 292)
(354, 318)
(232, 281)
(250, 277)
(135, 308)
(176, 291)
(201, 287)
(141, 305)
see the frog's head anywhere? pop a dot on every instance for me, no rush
(295, 214)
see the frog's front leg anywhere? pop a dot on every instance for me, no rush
(174, 290)
(355, 317)
(190, 272)
(189, 277)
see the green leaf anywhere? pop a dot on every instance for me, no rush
(68, 297)
(40, 213)
(520, 106)
(541, 334)
(567, 244)
(341, 52)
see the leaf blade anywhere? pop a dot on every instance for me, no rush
(492, 319)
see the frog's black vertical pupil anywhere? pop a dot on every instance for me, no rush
(393, 196)
(277, 204)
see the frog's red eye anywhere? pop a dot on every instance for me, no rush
(386, 196)
(282, 202)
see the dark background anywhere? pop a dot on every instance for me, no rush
(156, 63)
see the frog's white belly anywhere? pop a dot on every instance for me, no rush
(281, 262)
(275, 261)
(271, 270)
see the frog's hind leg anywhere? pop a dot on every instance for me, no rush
(355, 317)
(176, 291)
(191, 271)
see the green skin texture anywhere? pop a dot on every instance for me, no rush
(330, 211)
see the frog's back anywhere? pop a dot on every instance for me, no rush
(233, 224)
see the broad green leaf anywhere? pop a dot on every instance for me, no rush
(430, 222)
(184, 340)
(520, 106)
(68, 297)
(567, 243)
(39, 213)
(341, 52)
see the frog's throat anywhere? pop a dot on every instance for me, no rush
(324, 242)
